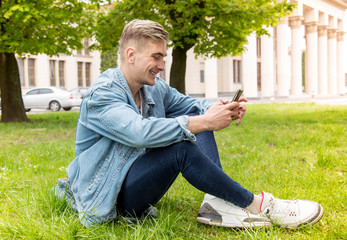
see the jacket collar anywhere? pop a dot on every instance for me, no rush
(146, 93)
(148, 96)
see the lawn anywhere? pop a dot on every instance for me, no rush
(294, 151)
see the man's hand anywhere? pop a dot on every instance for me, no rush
(242, 110)
(218, 116)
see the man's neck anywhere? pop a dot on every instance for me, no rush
(133, 85)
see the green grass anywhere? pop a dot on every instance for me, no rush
(291, 150)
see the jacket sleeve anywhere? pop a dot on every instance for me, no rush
(107, 112)
(177, 104)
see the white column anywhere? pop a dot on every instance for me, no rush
(283, 82)
(211, 81)
(341, 88)
(296, 55)
(249, 68)
(322, 60)
(332, 65)
(71, 75)
(42, 70)
(267, 65)
(311, 65)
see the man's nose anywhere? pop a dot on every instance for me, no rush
(161, 65)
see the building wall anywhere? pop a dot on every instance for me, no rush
(194, 84)
(316, 28)
(271, 66)
(64, 71)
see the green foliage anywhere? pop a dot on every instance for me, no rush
(108, 60)
(291, 150)
(214, 27)
(45, 26)
(33, 27)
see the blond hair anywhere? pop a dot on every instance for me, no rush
(141, 31)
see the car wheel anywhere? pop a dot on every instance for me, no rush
(27, 109)
(54, 106)
(67, 108)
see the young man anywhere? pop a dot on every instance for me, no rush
(135, 134)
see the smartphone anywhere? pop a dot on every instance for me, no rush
(237, 95)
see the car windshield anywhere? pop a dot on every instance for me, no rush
(32, 92)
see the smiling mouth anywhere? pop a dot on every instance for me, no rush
(153, 73)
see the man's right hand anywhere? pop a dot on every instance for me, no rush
(217, 117)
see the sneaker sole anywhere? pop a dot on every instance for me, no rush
(216, 221)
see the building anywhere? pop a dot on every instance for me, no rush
(305, 54)
(65, 71)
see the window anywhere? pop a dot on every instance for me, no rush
(61, 74)
(237, 71)
(33, 92)
(259, 75)
(20, 62)
(258, 47)
(79, 73)
(88, 74)
(31, 72)
(202, 76)
(202, 72)
(86, 46)
(45, 91)
(52, 72)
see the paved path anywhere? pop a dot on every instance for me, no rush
(326, 100)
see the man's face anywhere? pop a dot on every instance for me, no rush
(149, 61)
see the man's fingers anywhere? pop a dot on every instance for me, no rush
(235, 113)
(242, 108)
(242, 99)
(232, 105)
(224, 101)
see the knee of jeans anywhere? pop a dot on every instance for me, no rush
(187, 151)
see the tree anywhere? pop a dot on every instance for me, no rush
(108, 60)
(215, 28)
(33, 27)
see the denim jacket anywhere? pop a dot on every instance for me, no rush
(111, 134)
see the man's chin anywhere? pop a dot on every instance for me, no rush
(151, 82)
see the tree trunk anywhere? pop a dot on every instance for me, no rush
(12, 107)
(178, 69)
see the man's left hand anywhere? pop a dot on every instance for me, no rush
(241, 109)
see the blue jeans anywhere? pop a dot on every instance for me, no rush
(152, 174)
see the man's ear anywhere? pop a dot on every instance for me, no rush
(130, 54)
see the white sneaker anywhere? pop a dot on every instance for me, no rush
(290, 213)
(218, 212)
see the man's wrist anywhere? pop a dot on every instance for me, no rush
(197, 124)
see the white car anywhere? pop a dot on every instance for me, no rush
(48, 98)
(78, 94)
